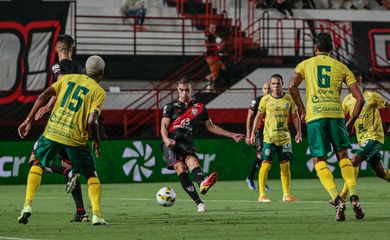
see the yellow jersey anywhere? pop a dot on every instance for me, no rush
(277, 112)
(324, 76)
(77, 96)
(369, 123)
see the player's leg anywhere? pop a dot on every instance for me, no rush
(256, 162)
(82, 160)
(285, 153)
(266, 155)
(44, 150)
(205, 183)
(357, 159)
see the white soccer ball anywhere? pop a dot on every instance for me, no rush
(166, 196)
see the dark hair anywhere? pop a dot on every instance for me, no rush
(66, 39)
(278, 76)
(184, 80)
(324, 42)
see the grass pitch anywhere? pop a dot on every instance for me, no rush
(233, 213)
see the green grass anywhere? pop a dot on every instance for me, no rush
(233, 213)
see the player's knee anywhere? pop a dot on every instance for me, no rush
(179, 168)
(342, 154)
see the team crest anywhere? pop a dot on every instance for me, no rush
(194, 111)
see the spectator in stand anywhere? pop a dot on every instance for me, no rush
(308, 4)
(213, 45)
(283, 6)
(136, 9)
(365, 6)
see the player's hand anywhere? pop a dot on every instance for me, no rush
(248, 140)
(253, 139)
(169, 142)
(41, 112)
(388, 130)
(24, 128)
(298, 138)
(238, 137)
(96, 148)
(302, 113)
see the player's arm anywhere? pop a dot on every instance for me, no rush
(164, 132)
(256, 122)
(211, 127)
(358, 95)
(25, 127)
(249, 122)
(47, 108)
(294, 92)
(297, 125)
(93, 130)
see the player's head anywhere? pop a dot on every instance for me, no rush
(94, 67)
(323, 43)
(265, 88)
(64, 44)
(184, 87)
(359, 77)
(276, 83)
(212, 28)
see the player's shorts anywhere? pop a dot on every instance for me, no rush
(178, 153)
(46, 150)
(323, 132)
(259, 143)
(371, 152)
(270, 151)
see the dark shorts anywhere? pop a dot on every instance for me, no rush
(322, 133)
(270, 152)
(371, 152)
(178, 153)
(46, 150)
(259, 143)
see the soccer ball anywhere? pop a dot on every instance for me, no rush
(166, 196)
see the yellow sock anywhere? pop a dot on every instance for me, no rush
(348, 174)
(94, 193)
(33, 182)
(344, 192)
(387, 176)
(263, 176)
(285, 177)
(326, 178)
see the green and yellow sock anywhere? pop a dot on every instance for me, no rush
(263, 176)
(348, 174)
(285, 177)
(33, 182)
(94, 193)
(326, 178)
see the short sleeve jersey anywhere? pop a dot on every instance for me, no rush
(277, 112)
(77, 96)
(324, 76)
(254, 106)
(369, 123)
(65, 66)
(185, 119)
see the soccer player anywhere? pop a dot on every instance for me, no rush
(254, 105)
(72, 120)
(326, 125)
(180, 122)
(65, 65)
(369, 132)
(277, 106)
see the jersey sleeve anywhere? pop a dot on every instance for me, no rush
(56, 71)
(379, 100)
(253, 105)
(300, 68)
(97, 102)
(205, 114)
(262, 106)
(349, 76)
(167, 111)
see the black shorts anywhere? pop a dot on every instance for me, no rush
(178, 153)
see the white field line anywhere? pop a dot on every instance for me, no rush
(15, 238)
(207, 200)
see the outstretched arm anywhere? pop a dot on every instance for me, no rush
(358, 95)
(43, 98)
(294, 92)
(211, 127)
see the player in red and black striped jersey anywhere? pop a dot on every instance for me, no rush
(65, 65)
(252, 111)
(180, 122)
